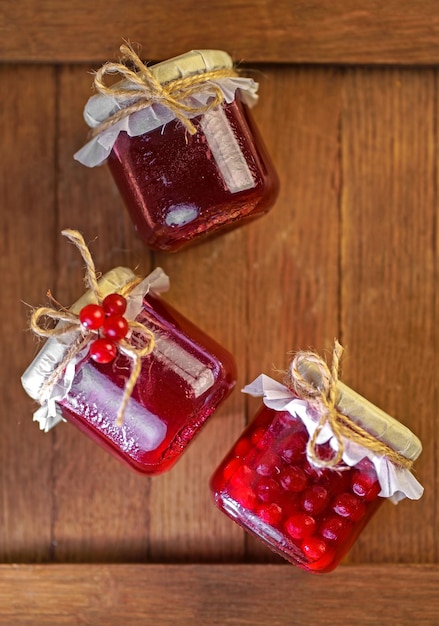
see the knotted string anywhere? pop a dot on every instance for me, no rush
(322, 397)
(70, 322)
(140, 88)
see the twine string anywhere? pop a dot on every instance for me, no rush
(38, 327)
(90, 272)
(140, 88)
(135, 354)
(322, 397)
(69, 322)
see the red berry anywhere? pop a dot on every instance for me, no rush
(242, 476)
(314, 548)
(313, 473)
(103, 351)
(335, 528)
(324, 564)
(365, 485)
(268, 464)
(300, 525)
(289, 502)
(349, 506)
(92, 316)
(231, 468)
(315, 499)
(245, 497)
(114, 304)
(242, 447)
(293, 479)
(115, 327)
(257, 435)
(324, 452)
(292, 448)
(267, 490)
(270, 514)
(336, 481)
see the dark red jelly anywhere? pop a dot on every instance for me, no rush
(309, 516)
(181, 145)
(181, 382)
(178, 187)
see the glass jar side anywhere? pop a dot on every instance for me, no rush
(180, 385)
(309, 516)
(178, 187)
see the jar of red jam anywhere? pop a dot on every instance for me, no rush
(180, 384)
(184, 170)
(311, 514)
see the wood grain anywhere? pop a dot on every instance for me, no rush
(28, 218)
(101, 510)
(293, 283)
(284, 31)
(389, 279)
(350, 249)
(208, 285)
(217, 595)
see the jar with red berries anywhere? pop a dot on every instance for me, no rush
(131, 372)
(181, 144)
(280, 482)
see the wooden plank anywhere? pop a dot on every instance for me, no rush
(208, 285)
(185, 524)
(389, 320)
(293, 251)
(89, 506)
(27, 219)
(342, 31)
(171, 517)
(101, 508)
(253, 595)
(433, 426)
(293, 283)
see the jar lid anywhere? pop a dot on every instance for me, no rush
(193, 62)
(37, 379)
(368, 416)
(54, 350)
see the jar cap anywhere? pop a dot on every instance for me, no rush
(54, 350)
(193, 62)
(368, 416)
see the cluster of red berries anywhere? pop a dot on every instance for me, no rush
(109, 321)
(270, 475)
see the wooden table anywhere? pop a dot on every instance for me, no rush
(348, 109)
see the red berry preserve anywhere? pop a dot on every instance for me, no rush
(184, 173)
(309, 513)
(181, 382)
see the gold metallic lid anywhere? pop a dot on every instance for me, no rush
(193, 62)
(54, 350)
(110, 282)
(373, 419)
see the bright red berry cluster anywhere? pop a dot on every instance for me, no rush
(108, 320)
(313, 514)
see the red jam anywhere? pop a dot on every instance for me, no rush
(178, 186)
(309, 516)
(181, 384)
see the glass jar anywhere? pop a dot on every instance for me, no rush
(181, 383)
(310, 515)
(179, 186)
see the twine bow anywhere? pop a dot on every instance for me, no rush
(322, 397)
(70, 322)
(141, 88)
